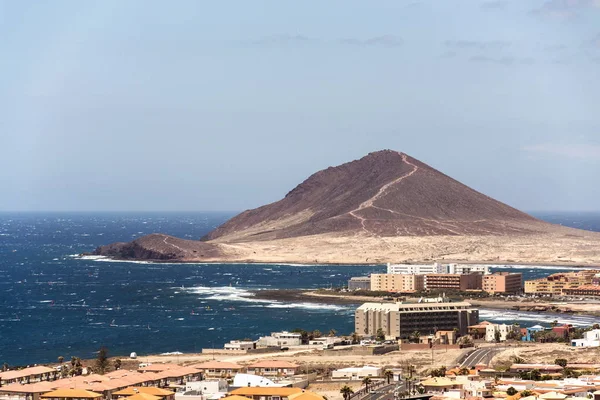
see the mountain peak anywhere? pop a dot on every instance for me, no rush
(385, 193)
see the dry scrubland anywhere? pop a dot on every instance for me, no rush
(546, 353)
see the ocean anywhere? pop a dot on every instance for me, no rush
(54, 303)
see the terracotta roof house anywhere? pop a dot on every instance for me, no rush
(28, 375)
(218, 369)
(273, 368)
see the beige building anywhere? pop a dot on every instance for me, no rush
(402, 283)
(503, 282)
(555, 284)
(400, 320)
(453, 281)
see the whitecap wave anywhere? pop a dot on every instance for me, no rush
(527, 318)
(308, 306)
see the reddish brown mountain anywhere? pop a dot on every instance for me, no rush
(386, 206)
(385, 193)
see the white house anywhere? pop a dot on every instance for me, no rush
(503, 329)
(356, 373)
(590, 339)
(284, 338)
(239, 345)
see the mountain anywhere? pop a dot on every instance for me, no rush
(385, 193)
(386, 206)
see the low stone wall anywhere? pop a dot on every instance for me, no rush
(260, 350)
(373, 350)
(426, 346)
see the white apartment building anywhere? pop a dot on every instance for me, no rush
(437, 268)
(283, 338)
(503, 329)
(416, 269)
(465, 269)
(239, 345)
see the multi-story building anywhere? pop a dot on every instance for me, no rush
(437, 268)
(453, 281)
(555, 284)
(418, 269)
(585, 290)
(402, 283)
(359, 283)
(401, 320)
(503, 282)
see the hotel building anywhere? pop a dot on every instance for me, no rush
(400, 320)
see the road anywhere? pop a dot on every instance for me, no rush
(383, 393)
(480, 356)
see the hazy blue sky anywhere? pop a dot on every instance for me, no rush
(226, 105)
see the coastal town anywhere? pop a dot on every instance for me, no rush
(414, 347)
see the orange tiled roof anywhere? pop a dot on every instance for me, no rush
(217, 365)
(72, 394)
(154, 391)
(25, 372)
(158, 367)
(38, 387)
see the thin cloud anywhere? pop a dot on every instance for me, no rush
(477, 45)
(596, 41)
(381, 41)
(555, 47)
(284, 40)
(508, 60)
(494, 5)
(564, 9)
(578, 151)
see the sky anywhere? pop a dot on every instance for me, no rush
(228, 105)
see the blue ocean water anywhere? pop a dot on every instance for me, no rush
(53, 303)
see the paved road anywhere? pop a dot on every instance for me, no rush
(480, 356)
(383, 393)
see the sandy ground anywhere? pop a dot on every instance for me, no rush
(332, 390)
(571, 247)
(322, 361)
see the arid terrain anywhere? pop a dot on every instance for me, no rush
(385, 207)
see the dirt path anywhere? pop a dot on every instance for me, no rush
(369, 203)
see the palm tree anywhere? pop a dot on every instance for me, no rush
(346, 391)
(332, 332)
(61, 359)
(416, 335)
(355, 338)
(366, 381)
(463, 371)
(388, 375)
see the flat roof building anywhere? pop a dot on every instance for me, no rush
(453, 281)
(359, 283)
(400, 320)
(503, 282)
(399, 283)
